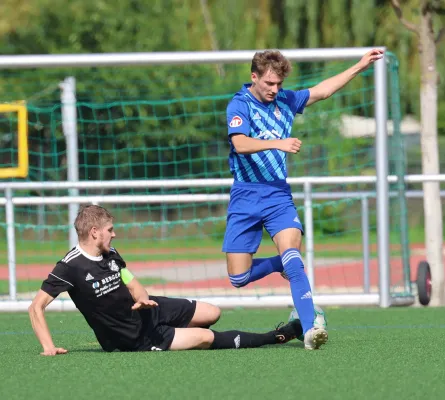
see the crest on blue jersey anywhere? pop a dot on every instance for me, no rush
(277, 113)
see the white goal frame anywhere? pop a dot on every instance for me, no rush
(383, 298)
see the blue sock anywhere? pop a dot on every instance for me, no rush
(260, 268)
(299, 286)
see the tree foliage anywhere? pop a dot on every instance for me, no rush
(83, 26)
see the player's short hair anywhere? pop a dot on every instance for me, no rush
(89, 216)
(273, 60)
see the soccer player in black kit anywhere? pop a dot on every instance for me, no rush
(118, 308)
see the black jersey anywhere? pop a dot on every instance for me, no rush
(96, 288)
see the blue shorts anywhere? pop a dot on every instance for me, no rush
(254, 205)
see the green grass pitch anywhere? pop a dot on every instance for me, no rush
(398, 353)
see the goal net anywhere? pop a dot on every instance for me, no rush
(167, 122)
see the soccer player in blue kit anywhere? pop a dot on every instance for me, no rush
(259, 119)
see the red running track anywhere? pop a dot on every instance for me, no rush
(342, 275)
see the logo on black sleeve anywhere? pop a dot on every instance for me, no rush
(113, 266)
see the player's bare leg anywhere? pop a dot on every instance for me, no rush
(192, 338)
(238, 263)
(206, 315)
(287, 239)
(238, 268)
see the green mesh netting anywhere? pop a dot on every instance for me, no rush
(169, 123)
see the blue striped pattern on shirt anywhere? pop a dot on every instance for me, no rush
(266, 121)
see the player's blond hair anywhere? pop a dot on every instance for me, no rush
(273, 60)
(88, 217)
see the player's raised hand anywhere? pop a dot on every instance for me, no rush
(369, 58)
(141, 304)
(54, 351)
(290, 145)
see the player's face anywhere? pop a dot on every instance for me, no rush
(266, 87)
(106, 235)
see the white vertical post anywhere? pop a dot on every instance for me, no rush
(381, 151)
(41, 207)
(69, 123)
(309, 234)
(365, 244)
(10, 234)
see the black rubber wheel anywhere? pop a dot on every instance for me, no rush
(424, 283)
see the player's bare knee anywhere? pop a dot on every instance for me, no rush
(206, 315)
(210, 314)
(214, 315)
(238, 263)
(238, 268)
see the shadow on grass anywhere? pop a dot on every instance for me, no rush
(80, 350)
(295, 345)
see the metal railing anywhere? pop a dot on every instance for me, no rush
(10, 201)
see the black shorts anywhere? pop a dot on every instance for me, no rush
(160, 322)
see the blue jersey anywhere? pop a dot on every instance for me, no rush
(265, 121)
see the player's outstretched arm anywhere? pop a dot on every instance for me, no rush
(248, 145)
(328, 87)
(37, 316)
(139, 294)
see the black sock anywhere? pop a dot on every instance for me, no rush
(241, 340)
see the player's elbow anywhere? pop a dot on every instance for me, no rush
(238, 146)
(241, 150)
(32, 309)
(35, 308)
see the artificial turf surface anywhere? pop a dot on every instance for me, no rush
(397, 353)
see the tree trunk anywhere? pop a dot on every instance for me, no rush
(430, 157)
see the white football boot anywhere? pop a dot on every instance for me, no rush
(314, 338)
